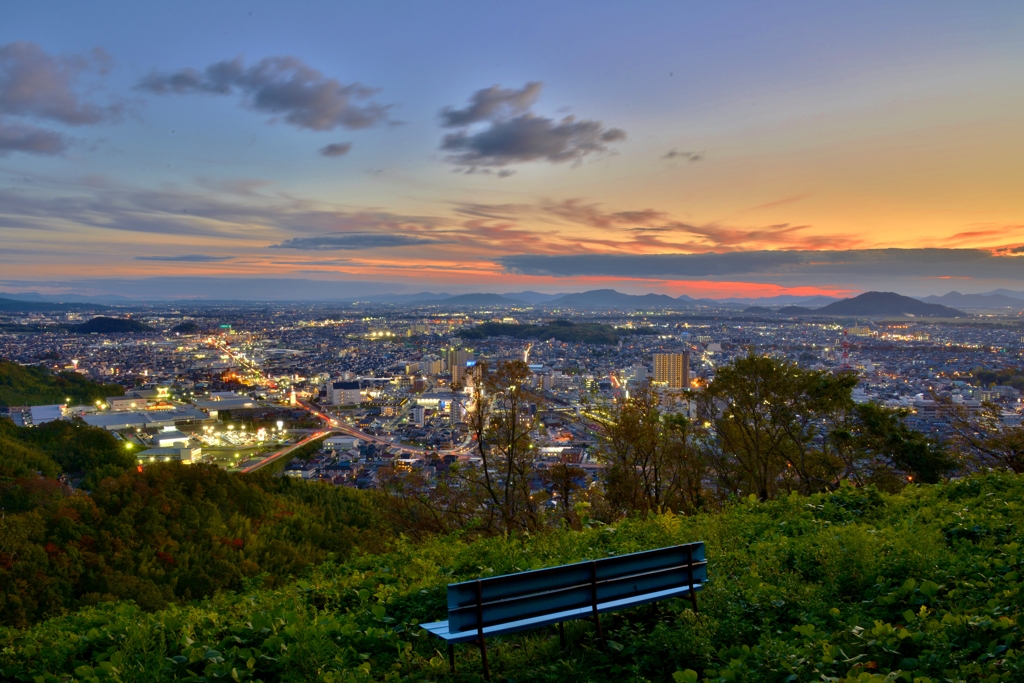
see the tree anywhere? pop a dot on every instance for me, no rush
(500, 422)
(652, 460)
(983, 440)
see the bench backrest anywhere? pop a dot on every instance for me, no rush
(501, 599)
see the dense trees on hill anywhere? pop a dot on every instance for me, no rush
(33, 386)
(851, 586)
(169, 533)
(61, 447)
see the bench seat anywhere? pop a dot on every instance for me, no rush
(440, 628)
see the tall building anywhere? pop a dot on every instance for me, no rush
(457, 360)
(672, 369)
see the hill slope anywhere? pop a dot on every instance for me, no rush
(16, 305)
(887, 303)
(989, 301)
(560, 330)
(852, 586)
(104, 325)
(22, 385)
(609, 298)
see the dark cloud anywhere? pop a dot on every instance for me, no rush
(18, 138)
(689, 156)
(336, 149)
(189, 258)
(39, 86)
(807, 267)
(352, 241)
(279, 86)
(494, 103)
(514, 134)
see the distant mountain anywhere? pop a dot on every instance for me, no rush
(782, 300)
(989, 301)
(795, 310)
(480, 300)
(887, 303)
(104, 325)
(187, 327)
(609, 298)
(14, 306)
(1005, 292)
(758, 310)
(534, 297)
(92, 301)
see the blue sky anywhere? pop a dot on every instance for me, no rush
(697, 128)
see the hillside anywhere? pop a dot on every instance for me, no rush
(850, 586)
(560, 330)
(609, 298)
(479, 300)
(985, 301)
(186, 327)
(18, 306)
(34, 386)
(887, 303)
(104, 325)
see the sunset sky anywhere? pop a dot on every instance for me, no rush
(711, 149)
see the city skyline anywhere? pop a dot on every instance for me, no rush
(726, 151)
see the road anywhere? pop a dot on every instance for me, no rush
(330, 423)
(285, 451)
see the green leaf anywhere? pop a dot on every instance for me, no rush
(378, 611)
(686, 676)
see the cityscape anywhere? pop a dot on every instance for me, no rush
(535, 342)
(240, 386)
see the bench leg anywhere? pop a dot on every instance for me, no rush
(600, 631)
(483, 659)
(693, 600)
(451, 657)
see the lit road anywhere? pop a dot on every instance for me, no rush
(285, 451)
(331, 423)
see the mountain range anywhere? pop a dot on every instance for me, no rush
(871, 304)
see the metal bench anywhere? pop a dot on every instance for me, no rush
(527, 600)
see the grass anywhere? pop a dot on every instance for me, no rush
(854, 585)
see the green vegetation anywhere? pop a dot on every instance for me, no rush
(825, 563)
(33, 386)
(852, 585)
(57, 448)
(105, 325)
(170, 533)
(559, 330)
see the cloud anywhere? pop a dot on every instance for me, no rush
(279, 86)
(689, 156)
(513, 134)
(38, 86)
(18, 138)
(336, 149)
(494, 103)
(188, 258)
(869, 267)
(352, 241)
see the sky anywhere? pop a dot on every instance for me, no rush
(726, 149)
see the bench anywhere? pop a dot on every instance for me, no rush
(585, 590)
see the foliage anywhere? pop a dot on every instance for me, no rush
(32, 386)
(559, 330)
(653, 461)
(853, 585)
(771, 427)
(59, 447)
(495, 494)
(170, 533)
